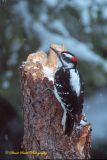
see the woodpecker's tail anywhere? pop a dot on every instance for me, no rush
(69, 124)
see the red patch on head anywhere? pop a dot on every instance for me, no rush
(74, 59)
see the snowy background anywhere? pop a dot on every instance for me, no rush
(27, 26)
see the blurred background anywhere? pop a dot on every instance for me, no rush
(30, 25)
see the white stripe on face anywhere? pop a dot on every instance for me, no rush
(66, 59)
(67, 55)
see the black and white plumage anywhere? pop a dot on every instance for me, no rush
(69, 90)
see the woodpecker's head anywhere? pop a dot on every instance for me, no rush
(67, 59)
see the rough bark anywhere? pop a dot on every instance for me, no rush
(43, 114)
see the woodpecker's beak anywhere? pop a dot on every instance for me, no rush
(58, 53)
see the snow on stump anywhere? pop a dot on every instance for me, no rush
(43, 132)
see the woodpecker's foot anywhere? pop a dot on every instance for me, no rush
(48, 88)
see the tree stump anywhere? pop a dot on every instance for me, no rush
(43, 131)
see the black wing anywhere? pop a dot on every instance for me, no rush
(72, 102)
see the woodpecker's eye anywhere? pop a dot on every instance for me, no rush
(74, 59)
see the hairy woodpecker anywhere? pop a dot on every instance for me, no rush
(69, 89)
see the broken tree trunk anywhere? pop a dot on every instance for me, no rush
(43, 131)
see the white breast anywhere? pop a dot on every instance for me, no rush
(75, 81)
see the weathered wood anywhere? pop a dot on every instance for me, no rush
(42, 113)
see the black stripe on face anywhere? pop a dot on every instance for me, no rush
(66, 59)
(66, 56)
(69, 53)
